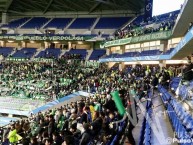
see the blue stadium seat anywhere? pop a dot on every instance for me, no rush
(114, 142)
(36, 22)
(15, 23)
(25, 53)
(96, 54)
(82, 23)
(59, 23)
(5, 51)
(111, 23)
(150, 52)
(169, 51)
(49, 52)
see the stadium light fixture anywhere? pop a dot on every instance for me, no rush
(10, 41)
(79, 42)
(91, 40)
(176, 61)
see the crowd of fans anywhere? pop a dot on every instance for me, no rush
(146, 27)
(90, 120)
(71, 56)
(48, 79)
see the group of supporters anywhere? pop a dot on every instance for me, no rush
(71, 56)
(138, 29)
(90, 120)
(46, 79)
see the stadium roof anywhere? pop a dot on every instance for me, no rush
(25, 7)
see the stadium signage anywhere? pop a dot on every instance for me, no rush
(117, 42)
(148, 37)
(26, 59)
(92, 64)
(43, 38)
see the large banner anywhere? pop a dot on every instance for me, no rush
(148, 9)
(51, 38)
(26, 59)
(118, 42)
(137, 39)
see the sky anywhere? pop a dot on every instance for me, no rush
(165, 6)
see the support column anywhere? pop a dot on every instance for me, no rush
(4, 18)
(110, 64)
(162, 63)
(164, 46)
(69, 45)
(108, 51)
(20, 44)
(121, 66)
(46, 44)
(122, 49)
(42, 45)
(23, 44)
(3, 44)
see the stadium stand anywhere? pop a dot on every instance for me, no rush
(145, 133)
(180, 119)
(169, 51)
(121, 101)
(129, 54)
(87, 35)
(6, 51)
(82, 23)
(15, 23)
(175, 83)
(111, 23)
(59, 23)
(49, 53)
(25, 53)
(35, 23)
(135, 54)
(150, 52)
(96, 54)
(139, 27)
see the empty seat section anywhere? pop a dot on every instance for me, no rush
(15, 23)
(5, 51)
(82, 23)
(96, 54)
(150, 52)
(175, 83)
(138, 20)
(181, 119)
(59, 23)
(86, 35)
(25, 53)
(169, 51)
(129, 54)
(114, 55)
(105, 35)
(111, 23)
(37, 22)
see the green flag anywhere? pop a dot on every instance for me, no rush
(118, 102)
